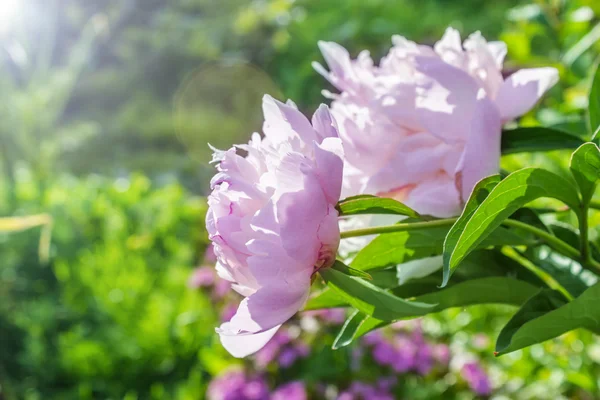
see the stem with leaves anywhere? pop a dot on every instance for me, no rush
(551, 240)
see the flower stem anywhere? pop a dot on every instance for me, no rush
(409, 226)
(551, 240)
(595, 205)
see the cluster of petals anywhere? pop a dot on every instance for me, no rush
(272, 219)
(425, 124)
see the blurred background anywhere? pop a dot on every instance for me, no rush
(107, 108)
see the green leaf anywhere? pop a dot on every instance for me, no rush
(367, 204)
(486, 277)
(531, 139)
(568, 273)
(545, 316)
(585, 167)
(492, 290)
(540, 303)
(371, 299)
(340, 266)
(516, 190)
(594, 102)
(480, 192)
(396, 248)
(349, 329)
(326, 298)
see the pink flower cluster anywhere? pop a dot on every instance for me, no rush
(422, 127)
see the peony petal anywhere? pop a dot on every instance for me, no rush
(522, 90)
(244, 345)
(438, 197)
(481, 156)
(446, 105)
(323, 123)
(299, 224)
(284, 123)
(271, 305)
(329, 167)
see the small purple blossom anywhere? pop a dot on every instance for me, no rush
(360, 390)
(290, 391)
(477, 379)
(235, 385)
(228, 312)
(201, 277)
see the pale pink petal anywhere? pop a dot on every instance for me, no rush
(284, 123)
(481, 157)
(446, 104)
(339, 63)
(299, 225)
(323, 123)
(243, 345)
(522, 90)
(329, 167)
(270, 306)
(438, 197)
(498, 50)
(449, 48)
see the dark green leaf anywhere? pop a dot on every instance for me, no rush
(543, 318)
(349, 329)
(367, 204)
(594, 102)
(480, 192)
(371, 299)
(518, 189)
(326, 298)
(585, 167)
(493, 290)
(568, 273)
(537, 139)
(396, 248)
(340, 266)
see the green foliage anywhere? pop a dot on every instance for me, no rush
(585, 167)
(371, 299)
(546, 316)
(366, 204)
(518, 189)
(110, 314)
(532, 139)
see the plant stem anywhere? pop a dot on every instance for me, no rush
(551, 240)
(409, 226)
(594, 204)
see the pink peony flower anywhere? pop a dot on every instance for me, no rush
(272, 219)
(424, 126)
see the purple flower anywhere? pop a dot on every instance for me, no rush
(441, 353)
(477, 379)
(360, 390)
(290, 391)
(384, 353)
(235, 385)
(334, 316)
(202, 277)
(424, 359)
(228, 312)
(287, 357)
(209, 256)
(405, 355)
